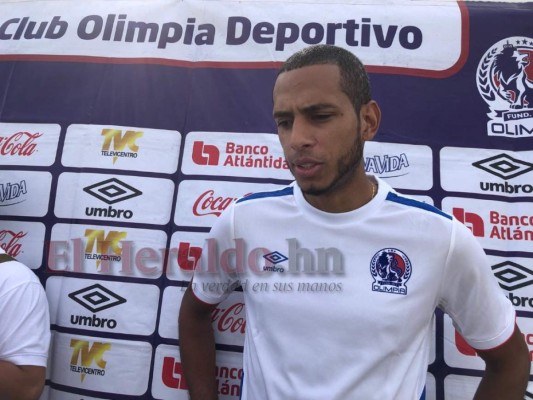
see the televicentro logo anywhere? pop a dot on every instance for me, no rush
(505, 81)
(119, 141)
(85, 354)
(111, 191)
(99, 244)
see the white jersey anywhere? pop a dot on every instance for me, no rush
(341, 306)
(24, 316)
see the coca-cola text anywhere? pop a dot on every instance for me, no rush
(19, 144)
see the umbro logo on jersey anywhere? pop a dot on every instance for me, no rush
(274, 258)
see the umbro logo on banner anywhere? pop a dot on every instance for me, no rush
(504, 166)
(512, 276)
(96, 298)
(112, 191)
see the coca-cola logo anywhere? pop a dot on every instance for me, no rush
(229, 319)
(209, 204)
(19, 144)
(9, 242)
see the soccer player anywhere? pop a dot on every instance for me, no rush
(24, 331)
(363, 267)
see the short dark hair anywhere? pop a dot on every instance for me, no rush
(354, 79)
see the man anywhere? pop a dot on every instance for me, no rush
(24, 331)
(366, 266)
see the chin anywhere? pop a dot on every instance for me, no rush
(312, 189)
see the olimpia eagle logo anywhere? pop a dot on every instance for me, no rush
(505, 82)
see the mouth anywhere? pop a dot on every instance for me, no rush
(306, 168)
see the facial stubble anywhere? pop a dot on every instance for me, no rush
(346, 167)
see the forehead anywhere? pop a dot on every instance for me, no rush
(308, 85)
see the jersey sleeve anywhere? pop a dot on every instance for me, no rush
(471, 296)
(217, 273)
(25, 325)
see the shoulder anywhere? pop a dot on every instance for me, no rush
(415, 216)
(14, 274)
(273, 195)
(416, 206)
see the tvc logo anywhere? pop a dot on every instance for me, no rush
(172, 374)
(205, 154)
(84, 355)
(104, 243)
(473, 221)
(111, 191)
(119, 143)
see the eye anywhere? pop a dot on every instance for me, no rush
(321, 117)
(283, 123)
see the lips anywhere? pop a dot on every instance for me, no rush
(306, 167)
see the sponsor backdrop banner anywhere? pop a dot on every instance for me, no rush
(127, 127)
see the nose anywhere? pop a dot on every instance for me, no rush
(301, 134)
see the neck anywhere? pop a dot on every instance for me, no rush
(345, 199)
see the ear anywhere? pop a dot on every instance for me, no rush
(370, 118)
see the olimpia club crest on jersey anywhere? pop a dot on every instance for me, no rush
(505, 81)
(391, 269)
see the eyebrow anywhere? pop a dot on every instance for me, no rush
(281, 114)
(306, 110)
